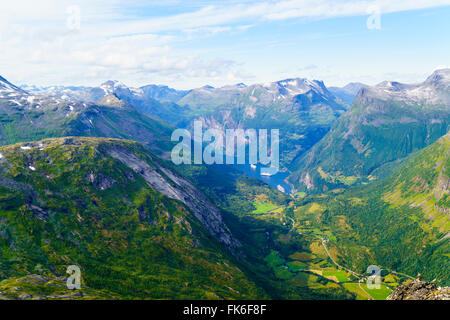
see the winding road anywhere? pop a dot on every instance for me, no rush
(360, 277)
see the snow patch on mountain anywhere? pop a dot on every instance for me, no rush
(434, 90)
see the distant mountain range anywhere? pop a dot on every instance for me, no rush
(348, 92)
(387, 122)
(84, 179)
(31, 116)
(304, 110)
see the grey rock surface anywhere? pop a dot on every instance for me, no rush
(420, 290)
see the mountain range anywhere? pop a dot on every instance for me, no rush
(26, 116)
(85, 180)
(348, 92)
(386, 123)
(304, 109)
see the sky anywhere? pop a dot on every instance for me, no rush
(188, 44)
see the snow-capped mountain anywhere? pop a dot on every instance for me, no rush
(152, 99)
(12, 97)
(387, 122)
(302, 109)
(92, 94)
(285, 92)
(434, 90)
(30, 116)
(7, 89)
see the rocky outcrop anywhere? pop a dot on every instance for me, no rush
(420, 290)
(101, 181)
(175, 187)
(113, 101)
(40, 287)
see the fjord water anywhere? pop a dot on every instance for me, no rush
(276, 181)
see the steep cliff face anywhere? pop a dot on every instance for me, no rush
(134, 227)
(387, 122)
(420, 290)
(175, 187)
(143, 164)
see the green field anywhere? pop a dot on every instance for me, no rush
(339, 274)
(301, 256)
(378, 294)
(354, 288)
(273, 259)
(299, 195)
(296, 266)
(263, 207)
(282, 272)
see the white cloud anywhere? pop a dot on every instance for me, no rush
(442, 66)
(116, 39)
(218, 15)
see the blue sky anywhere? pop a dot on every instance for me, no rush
(188, 44)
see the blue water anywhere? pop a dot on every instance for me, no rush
(276, 181)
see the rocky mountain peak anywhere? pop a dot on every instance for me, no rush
(112, 100)
(391, 86)
(439, 77)
(8, 87)
(111, 86)
(434, 90)
(296, 86)
(299, 83)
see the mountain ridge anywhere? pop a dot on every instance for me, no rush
(76, 189)
(400, 223)
(387, 122)
(28, 117)
(348, 92)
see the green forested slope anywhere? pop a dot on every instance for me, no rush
(70, 201)
(386, 123)
(400, 223)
